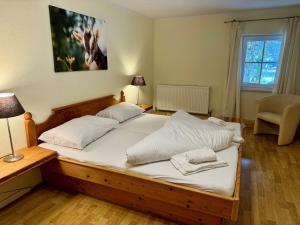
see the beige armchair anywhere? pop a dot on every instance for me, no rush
(278, 114)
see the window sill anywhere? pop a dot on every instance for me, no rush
(268, 89)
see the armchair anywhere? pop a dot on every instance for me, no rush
(278, 114)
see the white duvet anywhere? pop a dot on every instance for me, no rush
(110, 151)
(181, 133)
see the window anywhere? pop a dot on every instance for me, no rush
(261, 61)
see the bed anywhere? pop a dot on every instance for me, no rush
(204, 198)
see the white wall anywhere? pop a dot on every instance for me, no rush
(194, 50)
(26, 66)
(26, 60)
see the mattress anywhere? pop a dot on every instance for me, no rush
(110, 150)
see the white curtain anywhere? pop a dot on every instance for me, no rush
(286, 83)
(232, 94)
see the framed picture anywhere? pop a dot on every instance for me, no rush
(78, 41)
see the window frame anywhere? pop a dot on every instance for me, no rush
(259, 37)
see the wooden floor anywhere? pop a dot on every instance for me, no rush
(50, 206)
(270, 194)
(270, 182)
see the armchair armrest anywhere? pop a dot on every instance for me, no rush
(292, 112)
(289, 123)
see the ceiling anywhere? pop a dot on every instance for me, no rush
(172, 8)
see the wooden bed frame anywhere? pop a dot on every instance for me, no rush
(179, 203)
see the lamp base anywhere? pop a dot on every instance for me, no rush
(13, 158)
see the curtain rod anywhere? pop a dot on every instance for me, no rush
(251, 20)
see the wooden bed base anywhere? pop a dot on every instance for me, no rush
(179, 203)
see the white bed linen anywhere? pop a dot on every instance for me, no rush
(110, 150)
(181, 133)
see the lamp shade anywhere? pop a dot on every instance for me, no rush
(138, 81)
(10, 106)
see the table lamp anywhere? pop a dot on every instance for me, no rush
(10, 107)
(138, 81)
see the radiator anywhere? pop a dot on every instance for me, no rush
(190, 98)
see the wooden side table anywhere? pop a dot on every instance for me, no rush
(146, 106)
(33, 157)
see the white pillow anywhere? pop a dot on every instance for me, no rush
(181, 133)
(121, 112)
(79, 132)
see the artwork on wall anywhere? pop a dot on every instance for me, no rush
(78, 41)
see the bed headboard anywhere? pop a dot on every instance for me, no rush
(63, 114)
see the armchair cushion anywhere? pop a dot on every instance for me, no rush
(270, 117)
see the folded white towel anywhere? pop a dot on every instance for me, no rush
(181, 163)
(201, 155)
(217, 121)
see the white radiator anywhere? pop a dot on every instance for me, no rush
(190, 98)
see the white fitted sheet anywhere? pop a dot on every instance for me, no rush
(110, 150)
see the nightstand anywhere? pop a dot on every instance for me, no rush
(147, 107)
(33, 157)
